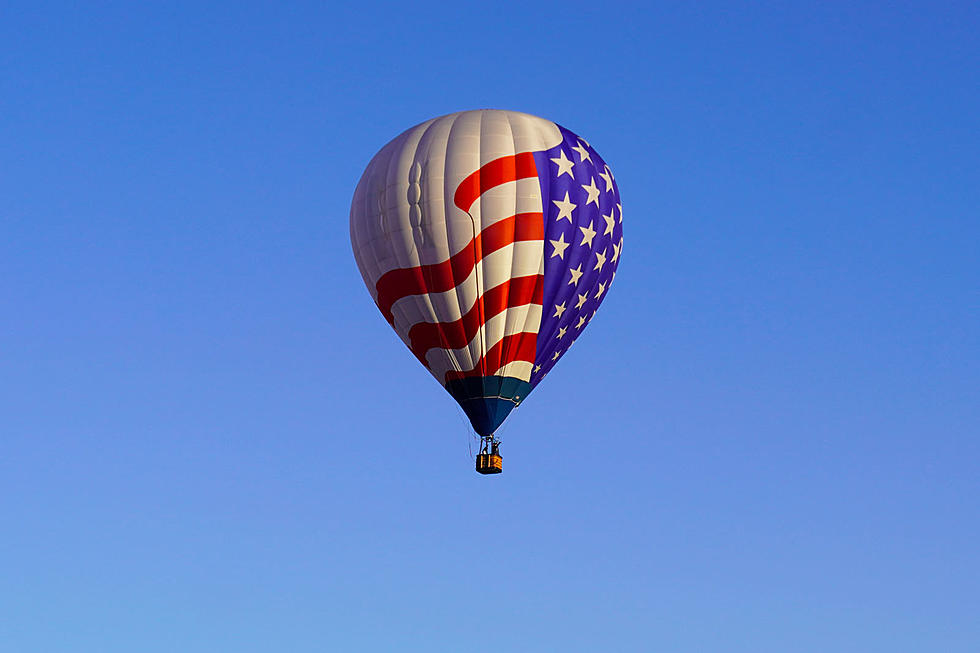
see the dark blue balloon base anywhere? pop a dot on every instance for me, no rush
(488, 400)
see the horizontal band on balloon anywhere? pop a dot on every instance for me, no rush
(481, 387)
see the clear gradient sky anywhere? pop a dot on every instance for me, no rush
(210, 439)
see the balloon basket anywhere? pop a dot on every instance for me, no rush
(489, 464)
(489, 460)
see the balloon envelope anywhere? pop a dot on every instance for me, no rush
(487, 239)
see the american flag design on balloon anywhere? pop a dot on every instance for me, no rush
(488, 239)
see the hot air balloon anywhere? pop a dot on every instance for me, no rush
(488, 239)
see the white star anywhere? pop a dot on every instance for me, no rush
(564, 164)
(620, 206)
(559, 309)
(561, 332)
(581, 323)
(583, 154)
(555, 357)
(581, 300)
(610, 222)
(565, 208)
(609, 170)
(588, 233)
(537, 368)
(576, 273)
(616, 249)
(602, 289)
(593, 192)
(606, 177)
(601, 259)
(560, 245)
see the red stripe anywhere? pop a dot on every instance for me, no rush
(499, 171)
(453, 335)
(440, 277)
(492, 360)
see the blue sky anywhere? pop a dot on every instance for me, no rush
(210, 440)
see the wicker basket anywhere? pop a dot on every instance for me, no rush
(487, 463)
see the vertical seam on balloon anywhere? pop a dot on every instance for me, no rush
(396, 251)
(507, 353)
(448, 355)
(368, 268)
(419, 300)
(457, 284)
(544, 222)
(478, 254)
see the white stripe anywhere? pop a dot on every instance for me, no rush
(518, 369)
